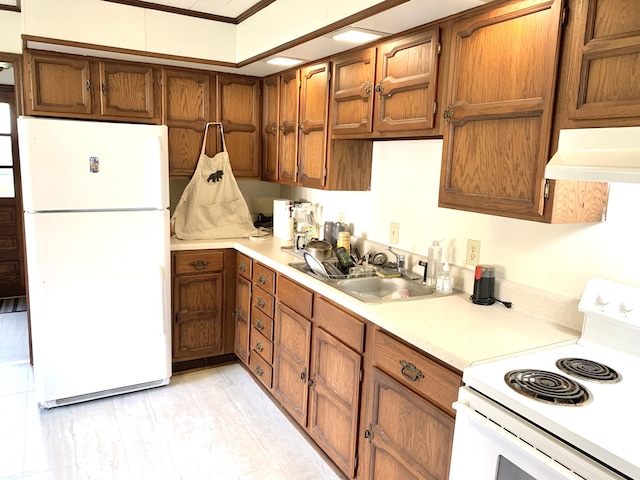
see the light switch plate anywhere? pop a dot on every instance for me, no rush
(394, 233)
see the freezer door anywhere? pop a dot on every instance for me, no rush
(99, 298)
(85, 165)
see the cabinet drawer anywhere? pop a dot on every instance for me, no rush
(261, 369)
(263, 301)
(265, 278)
(262, 323)
(244, 265)
(261, 346)
(426, 377)
(295, 296)
(339, 323)
(198, 261)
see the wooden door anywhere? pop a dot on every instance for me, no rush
(406, 83)
(289, 109)
(292, 344)
(314, 109)
(352, 92)
(242, 320)
(409, 437)
(334, 399)
(500, 98)
(605, 61)
(186, 103)
(127, 90)
(198, 329)
(270, 127)
(59, 84)
(238, 103)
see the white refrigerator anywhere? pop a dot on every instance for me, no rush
(96, 220)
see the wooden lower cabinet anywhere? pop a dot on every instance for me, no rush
(242, 312)
(409, 437)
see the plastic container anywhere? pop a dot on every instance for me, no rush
(434, 260)
(344, 240)
(338, 227)
(444, 283)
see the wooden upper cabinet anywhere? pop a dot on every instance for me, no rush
(406, 83)
(238, 104)
(500, 94)
(289, 116)
(270, 127)
(186, 108)
(605, 62)
(314, 111)
(352, 92)
(127, 90)
(58, 84)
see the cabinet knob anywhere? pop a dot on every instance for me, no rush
(260, 303)
(104, 88)
(260, 325)
(259, 371)
(242, 267)
(367, 89)
(262, 279)
(88, 84)
(448, 114)
(235, 314)
(259, 346)
(303, 375)
(410, 372)
(200, 264)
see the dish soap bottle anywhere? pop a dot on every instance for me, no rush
(444, 283)
(433, 263)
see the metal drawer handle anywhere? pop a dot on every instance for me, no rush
(262, 279)
(199, 264)
(242, 267)
(260, 303)
(259, 346)
(260, 325)
(410, 372)
(259, 371)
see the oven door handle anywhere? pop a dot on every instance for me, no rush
(518, 443)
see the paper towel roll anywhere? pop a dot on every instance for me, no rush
(282, 221)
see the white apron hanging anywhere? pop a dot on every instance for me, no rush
(212, 205)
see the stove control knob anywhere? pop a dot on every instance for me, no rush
(627, 305)
(603, 298)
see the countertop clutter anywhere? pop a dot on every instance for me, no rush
(450, 328)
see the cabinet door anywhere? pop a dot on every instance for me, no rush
(238, 103)
(352, 92)
(406, 83)
(243, 309)
(289, 104)
(606, 60)
(127, 90)
(334, 399)
(59, 84)
(314, 105)
(197, 330)
(270, 127)
(409, 437)
(186, 99)
(292, 345)
(499, 108)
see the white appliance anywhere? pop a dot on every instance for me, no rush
(597, 154)
(582, 419)
(96, 220)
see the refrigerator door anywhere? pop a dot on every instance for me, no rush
(83, 165)
(99, 298)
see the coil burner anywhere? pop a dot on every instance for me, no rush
(547, 387)
(588, 370)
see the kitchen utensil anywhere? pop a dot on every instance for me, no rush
(319, 249)
(299, 241)
(484, 285)
(379, 258)
(344, 259)
(315, 265)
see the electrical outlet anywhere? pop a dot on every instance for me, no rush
(394, 233)
(473, 252)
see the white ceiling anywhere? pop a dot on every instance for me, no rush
(223, 8)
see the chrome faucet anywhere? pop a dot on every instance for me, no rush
(400, 259)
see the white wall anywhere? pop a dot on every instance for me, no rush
(554, 258)
(10, 30)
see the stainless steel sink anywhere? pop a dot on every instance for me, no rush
(376, 289)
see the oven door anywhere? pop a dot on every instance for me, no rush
(497, 445)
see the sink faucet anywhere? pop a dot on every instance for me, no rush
(400, 258)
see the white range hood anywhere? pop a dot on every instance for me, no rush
(598, 155)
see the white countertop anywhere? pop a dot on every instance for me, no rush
(450, 328)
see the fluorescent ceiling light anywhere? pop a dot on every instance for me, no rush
(357, 35)
(285, 61)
